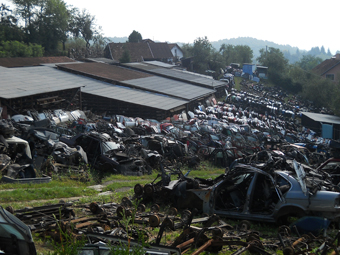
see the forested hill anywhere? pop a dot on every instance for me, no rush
(293, 54)
(256, 45)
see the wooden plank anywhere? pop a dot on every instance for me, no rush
(82, 220)
(85, 224)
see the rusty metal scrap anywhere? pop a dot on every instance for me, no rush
(103, 222)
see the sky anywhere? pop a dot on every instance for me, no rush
(299, 23)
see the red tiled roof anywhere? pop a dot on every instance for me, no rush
(110, 72)
(325, 66)
(19, 62)
(160, 50)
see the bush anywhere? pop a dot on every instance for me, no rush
(10, 49)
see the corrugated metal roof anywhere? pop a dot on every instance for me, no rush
(178, 74)
(141, 80)
(27, 81)
(133, 96)
(170, 87)
(322, 117)
(110, 72)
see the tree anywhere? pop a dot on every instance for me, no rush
(323, 50)
(229, 54)
(308, 62)
(321, 91)
(20, 49)
(187, 50)
(201, 52)
(27, 10)
(9, 29)
(314, 51)
(244, 53)
(135, 37)
(236, 54)
(99, 44)
(126, 57)
(274, 59)
(53, 24)
(83, 25)
(216, 63)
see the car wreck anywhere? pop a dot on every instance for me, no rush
(105, 154)
(17, 164)
(249, 193)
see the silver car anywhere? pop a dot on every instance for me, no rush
(249, 193)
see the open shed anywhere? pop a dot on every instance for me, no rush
(327, 126)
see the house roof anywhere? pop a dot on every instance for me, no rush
(141, 50)
(36, 61)
(172, 45)
(160, 50)
(326, 66)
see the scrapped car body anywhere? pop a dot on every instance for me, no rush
(22, 118)
(105, 155)
(331, 167)
(249, 193)
(17, 166)
(15, 236)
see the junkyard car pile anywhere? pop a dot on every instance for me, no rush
(275, 170)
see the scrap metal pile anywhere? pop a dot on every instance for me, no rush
(219, 132)
(128, 226)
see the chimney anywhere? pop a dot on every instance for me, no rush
(337, 56)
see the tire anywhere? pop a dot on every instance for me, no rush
(289, 215)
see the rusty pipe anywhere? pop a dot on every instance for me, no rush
(182, 245)
(203, 247)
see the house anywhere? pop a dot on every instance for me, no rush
(146, 50)
(176, 51)
(330, 68)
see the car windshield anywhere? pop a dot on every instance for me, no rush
(108, 146)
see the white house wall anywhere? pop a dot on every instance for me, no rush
(176, 52)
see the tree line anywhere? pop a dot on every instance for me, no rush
(297, 78)
(45, 27)
(293, 54)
